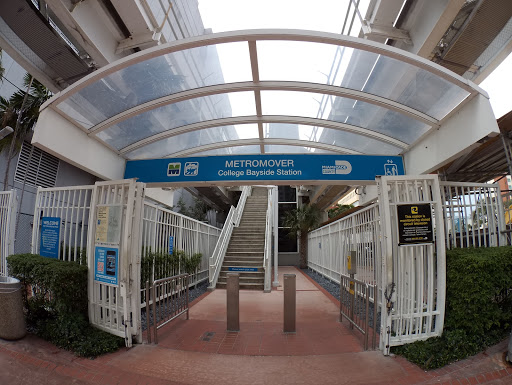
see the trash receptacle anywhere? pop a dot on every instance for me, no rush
(12, 319)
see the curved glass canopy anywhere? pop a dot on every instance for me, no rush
(264, 91)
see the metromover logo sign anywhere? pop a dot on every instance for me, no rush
(174, 169)
(340, 167)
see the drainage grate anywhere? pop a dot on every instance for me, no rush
(208, 336)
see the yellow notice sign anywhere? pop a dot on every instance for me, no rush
(102, 224)
(108, 224)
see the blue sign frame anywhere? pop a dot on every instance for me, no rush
(258, 168)
(49, 244)
(106, 265)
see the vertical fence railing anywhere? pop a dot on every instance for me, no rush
(8, 210)
(168, 298)
(71, 205)
(356, 307)
(329, 246)
(164, 230)
(474, 214)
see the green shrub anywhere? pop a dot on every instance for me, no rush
(167, 265)
(57, 309)
(478, 307)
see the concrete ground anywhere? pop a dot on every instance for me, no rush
(201, 351)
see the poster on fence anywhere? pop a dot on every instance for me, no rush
(108, 226)
(50, 237)
(414, 224)
(106, 265)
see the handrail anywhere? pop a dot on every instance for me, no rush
(233, 220)
(220, 249)
(267, 266)
(246, 192)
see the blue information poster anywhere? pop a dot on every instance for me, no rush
(106, 265)
(50, 237)
(171, 244)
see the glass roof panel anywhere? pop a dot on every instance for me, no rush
(283, 149)
(176, 115)
(343, 110)
(330, 136)
(192, 139)
(236, 150)
(153, 78)
(359, 70)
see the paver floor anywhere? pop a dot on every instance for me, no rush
(200, 351)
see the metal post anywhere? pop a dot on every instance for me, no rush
(148, 314)
(154, 313)
(233, 302)
(289, 303)
(187, 283)
(276, 237)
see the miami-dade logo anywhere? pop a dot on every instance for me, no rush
(340, 167)
(390, 168)
(174, 169)
(191, 168)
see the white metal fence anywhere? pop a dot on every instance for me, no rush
(473, 214)
(164, 230)
(8, 210)
(329, 246)
(71, 205)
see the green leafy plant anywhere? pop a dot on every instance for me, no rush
(300, 221)
(57, 309)
(333, 212)
(478, 307)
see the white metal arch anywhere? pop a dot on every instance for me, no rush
(258, 142)
(264, 119)
(265, 86)
(268, 34)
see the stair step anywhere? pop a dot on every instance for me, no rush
(241, 248)
(244, 286)
(240, 263)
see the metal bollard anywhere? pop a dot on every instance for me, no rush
(289, 303)
(233, 302)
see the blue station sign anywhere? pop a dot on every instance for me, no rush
(255, 168)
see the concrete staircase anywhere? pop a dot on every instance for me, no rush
(246, 247)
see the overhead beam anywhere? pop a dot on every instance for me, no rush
(462, 131)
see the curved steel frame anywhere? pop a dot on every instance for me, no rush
(256, 86)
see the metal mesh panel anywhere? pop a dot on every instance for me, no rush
(24, 234)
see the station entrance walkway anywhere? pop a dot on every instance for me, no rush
(200, 351)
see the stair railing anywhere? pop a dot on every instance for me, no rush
(233, 220)
(269, 232)
(246, 192)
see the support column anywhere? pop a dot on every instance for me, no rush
(233, 302)
(290, 301)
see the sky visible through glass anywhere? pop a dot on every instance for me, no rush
(318, 15)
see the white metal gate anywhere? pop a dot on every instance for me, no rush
(8, 210)
(413, 274)
(71, 207)
(113, 254)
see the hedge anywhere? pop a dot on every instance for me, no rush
(57, 309)
(478, 307)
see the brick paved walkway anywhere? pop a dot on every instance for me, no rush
(200, 351)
